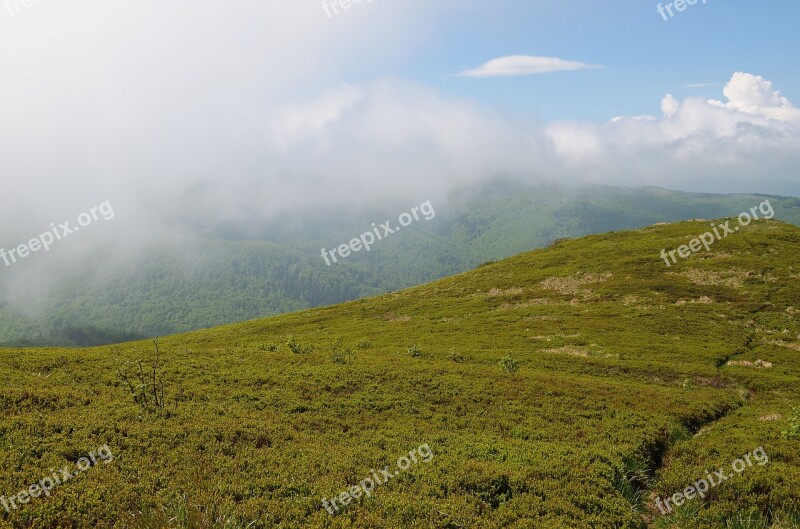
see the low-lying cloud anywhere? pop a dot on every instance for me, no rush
(188, 115)
(749, 142)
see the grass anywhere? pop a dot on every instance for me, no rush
(256, 436)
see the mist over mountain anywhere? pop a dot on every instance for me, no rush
(236, 271)
(376, 264)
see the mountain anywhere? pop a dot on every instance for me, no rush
(239, 271)
(580, 386)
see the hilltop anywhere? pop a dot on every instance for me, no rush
(569, 386)
(246, 270)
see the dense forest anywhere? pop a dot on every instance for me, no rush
(235, 273)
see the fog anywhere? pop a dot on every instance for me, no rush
(184, 115)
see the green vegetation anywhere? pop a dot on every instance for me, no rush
(146, 385)
(631, 381)
(414, 351)
(508, 364)
(793, 432)
(299, 349)
(244, 272)
(339, 353)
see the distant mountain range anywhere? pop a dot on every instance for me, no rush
(238, 272)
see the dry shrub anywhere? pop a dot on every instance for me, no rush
(746, 363)
(570, 286)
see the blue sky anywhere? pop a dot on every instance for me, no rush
(644, 56)
(251, 107)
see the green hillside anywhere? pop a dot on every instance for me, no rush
(568, 387)
(239, 272)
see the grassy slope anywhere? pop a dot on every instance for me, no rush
(621, 360)
(175, 288)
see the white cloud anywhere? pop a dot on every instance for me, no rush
(699, 144)
(297, 121)
(392, 137)
(237, 110)
(752, 94)
(256, 121)
(669, 105)
(180, 96)
(525, 65)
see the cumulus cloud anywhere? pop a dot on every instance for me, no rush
(669, 105)
(525, 65)
(747, 143)
(393, 137)
(752, 94)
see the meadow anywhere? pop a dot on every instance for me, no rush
(568, 387)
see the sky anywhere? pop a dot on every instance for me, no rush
(643, 56)
(187, 111)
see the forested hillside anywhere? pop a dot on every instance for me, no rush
(238, 272)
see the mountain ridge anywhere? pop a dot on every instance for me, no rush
(199, 283)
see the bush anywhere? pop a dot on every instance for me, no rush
(414, 351)
(147, 385)
(793, 432)
(454, 356)
(298, 348)
(508, 364)
(339, 353)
